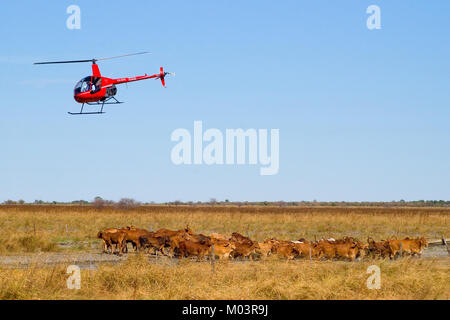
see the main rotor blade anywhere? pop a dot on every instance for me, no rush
(92, 60)
(125, 55)
(72, 61)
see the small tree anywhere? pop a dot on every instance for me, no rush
(128, 203)
(98, 203)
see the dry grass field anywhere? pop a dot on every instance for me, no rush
(31, 229)
(138, 279)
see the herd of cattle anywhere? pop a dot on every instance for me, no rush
(185, 243)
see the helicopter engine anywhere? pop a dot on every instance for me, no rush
(111, 91)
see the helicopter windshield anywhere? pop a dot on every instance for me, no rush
(83, 85)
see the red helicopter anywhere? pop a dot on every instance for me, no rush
(98, 90)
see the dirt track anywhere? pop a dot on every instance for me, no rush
(90, 260)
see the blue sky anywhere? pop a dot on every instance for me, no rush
(364, 115)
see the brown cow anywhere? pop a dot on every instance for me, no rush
(408, 246)
(244, 250)
(173, 244)
(239, 238)
(171, 233)
(222, 249)
(190, 248)
(133, 235)
(363, 251)
(152, 243)
(275, 243)
(200, 238)
(304, 248)
(348, 250)
(328, 249)
(285, 250)
(381, 249)
(131, 230)
(116, 238)
(99, 236)
(265, 249)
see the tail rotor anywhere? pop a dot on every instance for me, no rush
(162, 75)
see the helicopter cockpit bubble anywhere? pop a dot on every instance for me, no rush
(83, 85)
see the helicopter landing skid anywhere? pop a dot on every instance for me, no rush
(98, 103)
(78, 113)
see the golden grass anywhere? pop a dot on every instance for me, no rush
(31, 228)
(139, 279)
(26, 229)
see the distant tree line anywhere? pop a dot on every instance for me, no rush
(401, 203)
(128, 203)
(98, 202)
